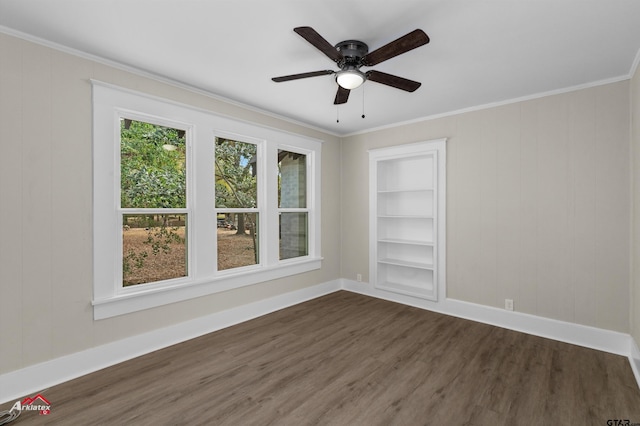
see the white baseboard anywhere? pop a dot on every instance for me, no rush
(634, 360)
(35, 378)
(581, 335)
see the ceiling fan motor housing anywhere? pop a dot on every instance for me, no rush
(352, 51)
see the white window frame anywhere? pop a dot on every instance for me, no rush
(309, 155)
(109, 297)
(159, 121)
(261, 199)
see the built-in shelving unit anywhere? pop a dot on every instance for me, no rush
(407, 218)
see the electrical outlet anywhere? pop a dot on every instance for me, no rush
(508, 304)
(359, 277)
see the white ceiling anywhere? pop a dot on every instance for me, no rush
(481, 51)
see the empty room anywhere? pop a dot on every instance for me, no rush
(422, 212)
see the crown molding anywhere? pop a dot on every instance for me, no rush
(157, 77)
(196, 90)
(500, 103)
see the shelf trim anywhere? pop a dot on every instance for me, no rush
(406, 216)
(397, 190)
(408, 264)
(409, 290)
(408, 242)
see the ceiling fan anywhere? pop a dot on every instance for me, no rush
(351, 55)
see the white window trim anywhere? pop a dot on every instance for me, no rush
(109, 297)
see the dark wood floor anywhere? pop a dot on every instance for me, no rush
(347, 359)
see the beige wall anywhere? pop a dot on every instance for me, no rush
(538, 204)
(45, 208)
(635, 186)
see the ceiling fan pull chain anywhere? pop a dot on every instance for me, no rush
(362, 101)
(337, 114)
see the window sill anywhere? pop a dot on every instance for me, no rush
(157, 296)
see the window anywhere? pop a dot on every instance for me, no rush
(187, 203)
(153, 202)
(237, 212)
(292, 204)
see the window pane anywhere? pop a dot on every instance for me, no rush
(292, 180)
(237, 240)
(154, 248)
(236, 174)
(293, 235)
(152, 166)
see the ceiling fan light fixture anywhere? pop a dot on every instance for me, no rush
(350, 79)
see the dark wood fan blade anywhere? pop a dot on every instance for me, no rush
(341, 96)
(319, 42)
(302, 75)
(393, 80)
(415, 38)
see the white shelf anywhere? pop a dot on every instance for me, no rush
(408, 264)
(408, 290)
(401, 241)
(407, 218)
(392, 191)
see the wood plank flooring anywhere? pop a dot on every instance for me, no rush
(348, 359)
